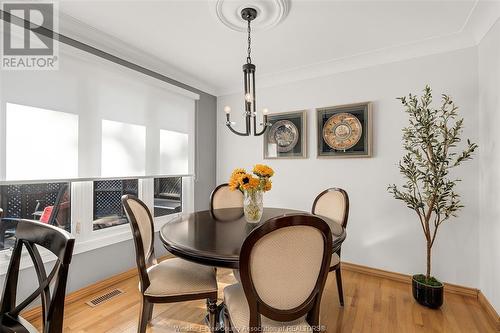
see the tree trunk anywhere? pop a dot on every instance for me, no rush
(428, 274)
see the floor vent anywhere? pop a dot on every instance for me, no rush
(104, 297)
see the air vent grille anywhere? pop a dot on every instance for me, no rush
(105, 297)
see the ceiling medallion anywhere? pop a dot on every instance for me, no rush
(269, 13)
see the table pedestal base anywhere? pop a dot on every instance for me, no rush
(219, 318)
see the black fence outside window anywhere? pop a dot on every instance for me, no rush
(44, 202)
(167, 196)
(108, 210)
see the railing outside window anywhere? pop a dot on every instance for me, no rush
(167, 196)
(42, 202)
(108, 210)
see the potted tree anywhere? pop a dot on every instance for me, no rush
(430, 143)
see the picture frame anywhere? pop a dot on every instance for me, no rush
(286, 138)
(344, 131)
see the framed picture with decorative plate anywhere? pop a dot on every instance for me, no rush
(345, 130)
(287, 136)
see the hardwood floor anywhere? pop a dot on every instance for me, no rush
(372, 304)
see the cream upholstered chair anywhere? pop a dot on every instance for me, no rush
(283, 266)
(223, 197)
(333, 203)
(172, 280)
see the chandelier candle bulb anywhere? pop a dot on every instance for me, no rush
(227, 109)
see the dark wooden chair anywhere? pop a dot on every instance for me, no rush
(333, 203)
(223, 197)
(30, 235)
(172, 280)
(283, 266)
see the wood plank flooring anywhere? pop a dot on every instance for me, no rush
(372, 304)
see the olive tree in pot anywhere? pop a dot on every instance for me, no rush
(430, 143)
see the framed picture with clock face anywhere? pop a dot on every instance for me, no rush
(286, 137)
(345, 131)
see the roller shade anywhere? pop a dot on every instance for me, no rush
(92, 119)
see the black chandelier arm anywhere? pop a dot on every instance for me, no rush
(247, 122)
(265, 125)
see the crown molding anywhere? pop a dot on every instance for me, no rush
(482, 16)
(76, 29)
(381, 56)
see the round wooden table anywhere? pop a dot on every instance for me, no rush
(215, 238)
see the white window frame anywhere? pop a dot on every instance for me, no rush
(87, 239)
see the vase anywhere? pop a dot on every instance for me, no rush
(252, 206)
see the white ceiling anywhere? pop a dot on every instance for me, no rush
(316, 38)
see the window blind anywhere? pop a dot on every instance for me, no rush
(97, 119)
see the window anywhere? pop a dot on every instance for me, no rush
(46, 202)
(123, 149)
(40, 144)
(108, 211)
(174, 153)
(98, 127)
(167, 196)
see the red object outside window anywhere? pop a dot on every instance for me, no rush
(47, 211)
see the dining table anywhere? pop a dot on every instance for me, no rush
(214, 238)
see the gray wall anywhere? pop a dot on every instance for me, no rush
(206, 153)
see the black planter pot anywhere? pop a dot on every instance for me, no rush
(429, 296)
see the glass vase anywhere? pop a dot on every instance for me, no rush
(252, 206)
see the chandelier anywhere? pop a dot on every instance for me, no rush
(248, 14)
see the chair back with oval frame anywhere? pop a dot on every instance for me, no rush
(265, 268)
(332, 203)
(223, 197)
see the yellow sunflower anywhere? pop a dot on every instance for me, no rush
(248, 182)
(254, 183)
(263, 170)
(238, 171)
(234, 183)
(234, 180)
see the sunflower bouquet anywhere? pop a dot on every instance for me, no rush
(252, 185)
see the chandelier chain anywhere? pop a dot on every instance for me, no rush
(249, 59)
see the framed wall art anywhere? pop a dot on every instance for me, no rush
(287, 136)
(345, 131)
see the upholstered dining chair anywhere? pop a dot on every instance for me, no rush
(283, 266)
(172, 280)
(32, 235)
(223, 197)
(333, 203)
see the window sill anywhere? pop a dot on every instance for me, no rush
(100, 239)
